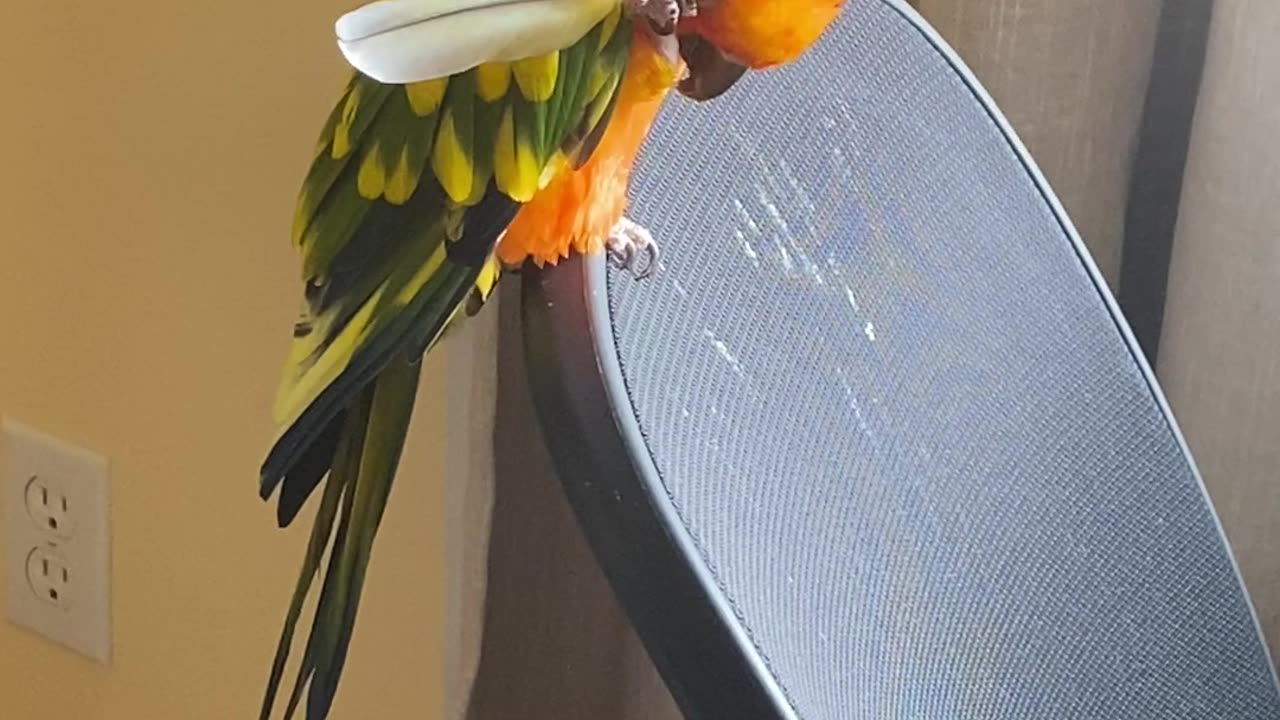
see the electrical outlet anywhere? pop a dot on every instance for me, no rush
(48, 505)
(57, 543)
(49, 575)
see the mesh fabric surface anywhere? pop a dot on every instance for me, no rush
(898, 420)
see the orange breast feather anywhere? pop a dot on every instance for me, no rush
(578, 208)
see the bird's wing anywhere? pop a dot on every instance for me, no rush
(410, 189)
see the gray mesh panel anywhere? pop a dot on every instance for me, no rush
(900, 423)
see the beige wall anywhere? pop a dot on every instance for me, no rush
(1220, 352)
(152, 153)
(1071, 76)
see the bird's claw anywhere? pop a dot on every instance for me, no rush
(632, 248)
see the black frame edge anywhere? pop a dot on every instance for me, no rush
(698, 653)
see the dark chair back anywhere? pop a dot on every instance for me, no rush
(876, 441)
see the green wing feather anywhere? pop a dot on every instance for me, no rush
(409, 191)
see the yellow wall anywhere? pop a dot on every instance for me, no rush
(152, 151)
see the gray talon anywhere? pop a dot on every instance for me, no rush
(632, 248)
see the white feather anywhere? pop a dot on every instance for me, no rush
(405, 41)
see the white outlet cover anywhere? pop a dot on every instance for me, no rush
(80, 616)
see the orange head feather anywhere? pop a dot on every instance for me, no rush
(762, 33)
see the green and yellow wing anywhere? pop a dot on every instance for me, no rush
(410, 188)
(409, 191)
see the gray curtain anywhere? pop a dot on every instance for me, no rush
(470, 357)
(1072, 78)
(1220, 351)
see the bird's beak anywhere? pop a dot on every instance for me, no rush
(405, 41)
(710, 72)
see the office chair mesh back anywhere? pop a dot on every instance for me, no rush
(899, 420)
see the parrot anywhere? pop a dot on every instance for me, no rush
(472, 138)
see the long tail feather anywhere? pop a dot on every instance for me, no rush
(364, 466)
(346, 465)
(311, 562)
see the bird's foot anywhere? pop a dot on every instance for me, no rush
(632, 248)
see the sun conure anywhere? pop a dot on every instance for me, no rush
(474, 134)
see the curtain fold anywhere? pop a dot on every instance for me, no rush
(1072, 79)
(1220, 350)
(471, 357)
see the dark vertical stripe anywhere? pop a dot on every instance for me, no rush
(1156, 184)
